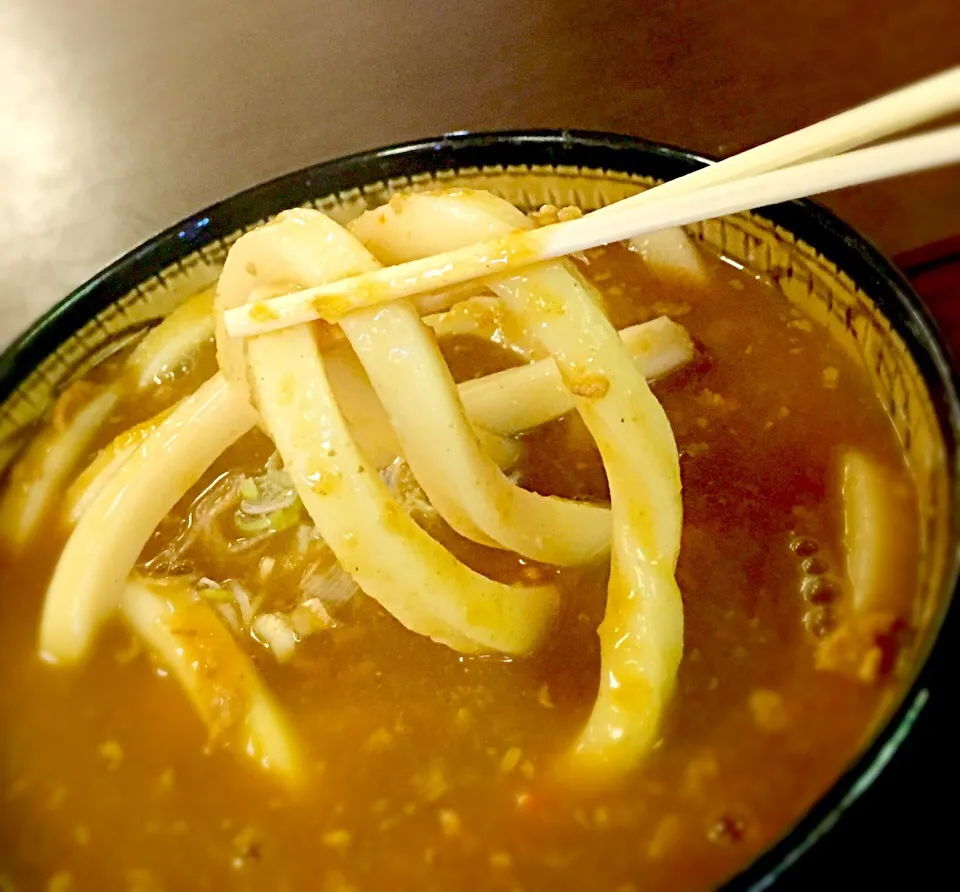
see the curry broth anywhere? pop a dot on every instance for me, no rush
(430, 770)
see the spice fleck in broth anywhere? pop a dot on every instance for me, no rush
(421, 767)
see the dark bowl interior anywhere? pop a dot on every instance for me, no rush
(826, 264)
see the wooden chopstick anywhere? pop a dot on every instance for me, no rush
(713, 191)
(918, 103)
(525, 247)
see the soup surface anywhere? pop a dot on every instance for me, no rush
(427, 769)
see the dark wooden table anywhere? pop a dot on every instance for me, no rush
(117, 118)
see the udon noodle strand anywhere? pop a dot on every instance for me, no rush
(485, 317)
(411, 378)
(165, 348)
(189, 639)
(104, 546)
(370, 424)
(49, 460)
(105, 466)
(518, 399)
(671, 251)
(642, 631)
(361, 407)
(503, 403)
(392, 559)
(875, 509)
(440, 446)
(54, 455)
(382, 547)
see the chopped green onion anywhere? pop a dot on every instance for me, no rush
(276, 521)
(286, 517)
(216, 594)
(252, 523)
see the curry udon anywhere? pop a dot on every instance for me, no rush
(320, 609)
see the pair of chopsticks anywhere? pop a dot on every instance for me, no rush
(809, 161)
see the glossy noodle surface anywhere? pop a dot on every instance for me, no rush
(423, 768)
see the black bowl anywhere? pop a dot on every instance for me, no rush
(814, 257)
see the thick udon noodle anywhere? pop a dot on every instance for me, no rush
(303, 385)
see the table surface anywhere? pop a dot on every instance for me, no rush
(119, 118)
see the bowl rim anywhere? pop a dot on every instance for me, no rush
(809, 221)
